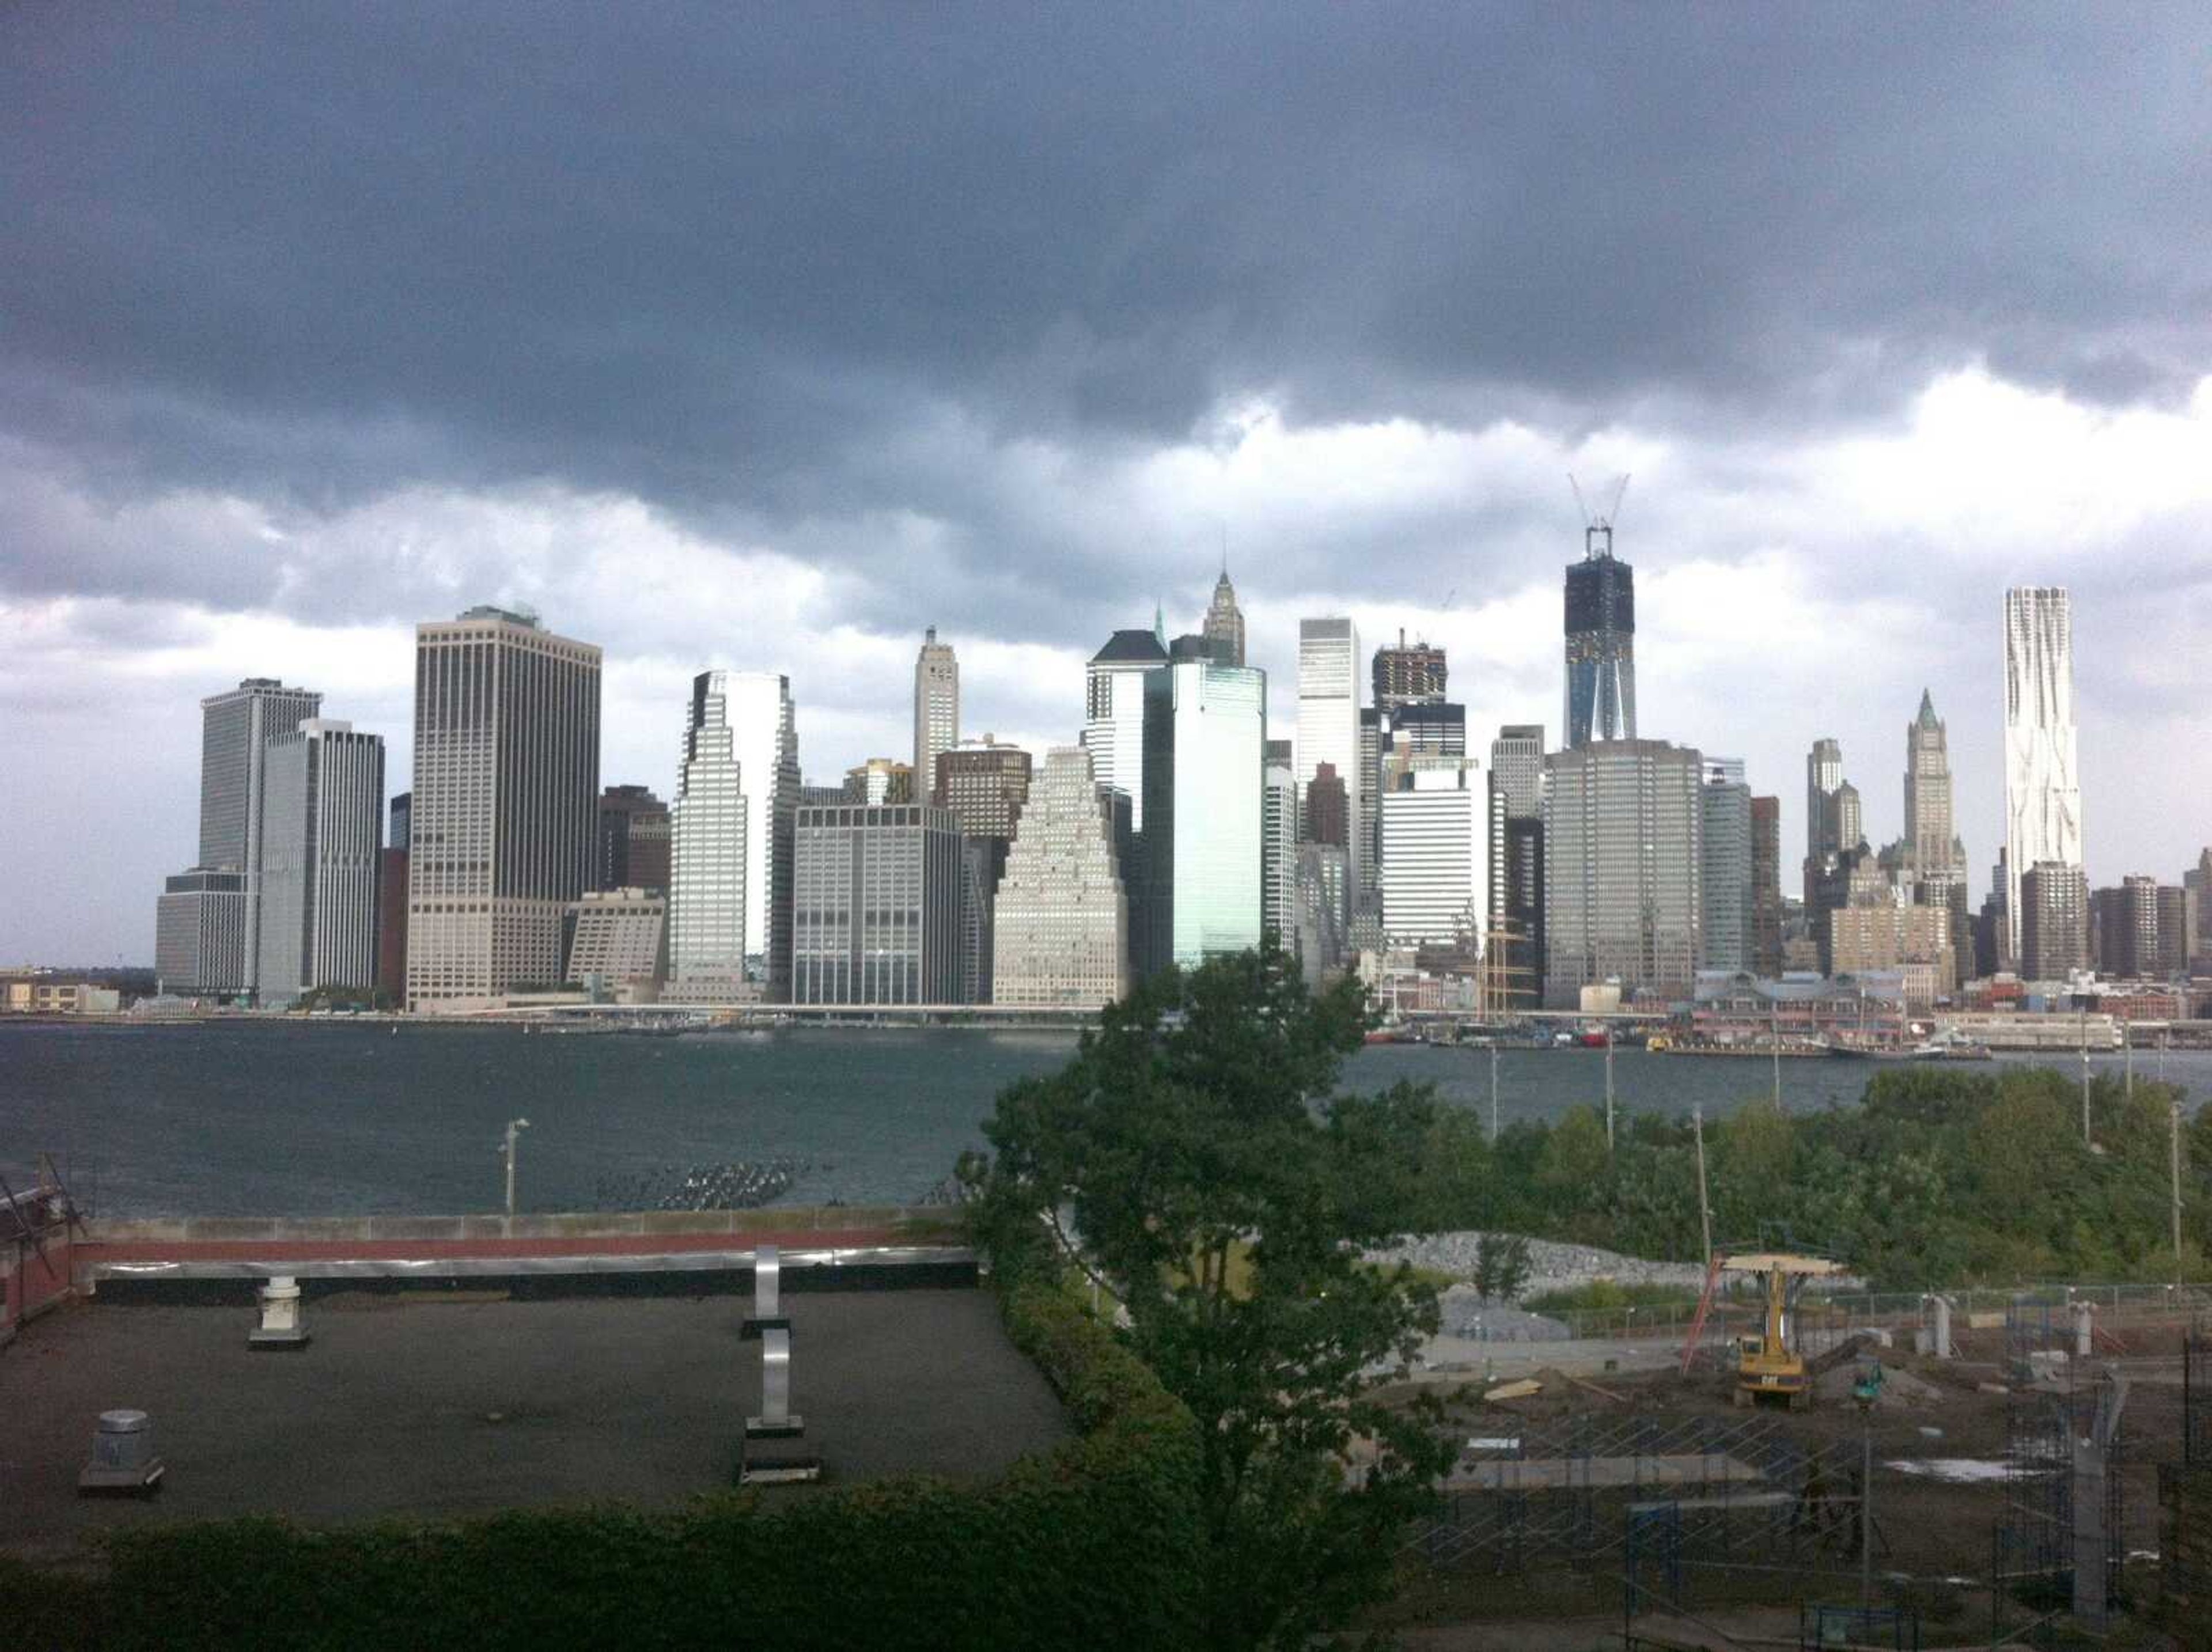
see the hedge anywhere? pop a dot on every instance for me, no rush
(1096, 1541)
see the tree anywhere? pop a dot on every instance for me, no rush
(1222, 1194)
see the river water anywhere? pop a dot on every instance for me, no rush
(330, 1119)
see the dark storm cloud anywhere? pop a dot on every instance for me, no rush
(730, 261)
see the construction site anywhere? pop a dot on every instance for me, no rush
(1796, 1475)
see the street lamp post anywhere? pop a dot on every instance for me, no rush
(514, 1127)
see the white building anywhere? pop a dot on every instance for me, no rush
(322, 826)
(707, 933)
(1114, 713)
(505, 818)
(1060, 922)
(1278, 843)
(1435, 838)
(936, 709)
(765, 739)
(617, 939)
(2043, 790)
(1328, 727)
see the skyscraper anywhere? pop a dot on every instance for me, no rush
(1224, 621)
(2043, 793)
(1328, 808)
(1206, 725)
(322, 831)
(1514, 907)
(1928, 831)
(936, 706)
(1114, 713)
(876, 905)
(1278, 843)
(1824, 783)
(1408, 675)
(1060, 923)
(1725, 873)
(1766, 888)
(878, 780)
(1622, 863)
(765, 739)
(985, 783)
(506, 804)
(1435, 838)
(1329, 726)
(199, 932)
(634, 839)
(391, 904)
(1601, 700)
(2054, 922)
(708, 827)
(235, 727)
(2197, 912)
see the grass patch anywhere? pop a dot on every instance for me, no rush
(1600, 1296)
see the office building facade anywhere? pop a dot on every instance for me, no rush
(985, 783)
(322, 839)
(1205, 726)
(1322, 930)
(1436, 836)
(1114, 713)
(1224, 625)
(391, 904)
(618, 939)
(2054, 922)
(235, 728)
(506, 804)
(1061, 921)
(1278, 842)
(1725, 876)
(1409, 674)
(936, 705)
(764, 736)
(1328, 727)
(710, 828)
(2043, 793)
(1623, 859)
(199, 934)
(1515, 909)
(875, 915)
(1766, 888)
(635, 839)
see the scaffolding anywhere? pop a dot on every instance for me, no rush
(2064, 1505)
(2185, 1492)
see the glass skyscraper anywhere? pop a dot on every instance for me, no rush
(1600, 644)
(764, 735)
(1206, 728)
(1329, 727)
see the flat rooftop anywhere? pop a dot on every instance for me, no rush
(445, 1403)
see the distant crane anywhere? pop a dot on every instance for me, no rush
(1598, 523)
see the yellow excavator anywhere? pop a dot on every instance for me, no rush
(1770, 1369)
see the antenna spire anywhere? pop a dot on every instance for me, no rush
(1597, 525)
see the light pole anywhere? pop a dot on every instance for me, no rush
(514, 1127)
(2081, 1013)
(1493, 1089)
(1609, 1027)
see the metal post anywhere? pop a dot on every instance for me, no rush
(1493, 1089)
(1705, 1206)
(2082, 1012)
(2128, 1055)
(1774, 1043)
(1866, 1510)
(514, 1127)
(2173, 1172)
(1608, 1086)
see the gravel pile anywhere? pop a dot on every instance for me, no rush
(1552, 1267)
(1467, 1312)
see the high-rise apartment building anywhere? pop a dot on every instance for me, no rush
(1435, 842)
(1601, 697)
(1516, 905)
(764, 737)
(1061, 923)
(2196, 913)
(235, 727)
(506, 804)
(876, 906)
(1408, 674)
(1206, 725)
(2043, 792)
(1224, 625)
(1278, 842)
(2054, 922)
(1879, 937)
(1328, 727)
(322, 835)
(2173, 963)
(936, 705)
(199, 934)
(1623, 859)
(1114, 713)
(1766, 888)
(1726, 874)
(634, 839)
(709, 829)
(2135, 930)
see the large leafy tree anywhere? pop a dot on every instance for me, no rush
(1196, 1163)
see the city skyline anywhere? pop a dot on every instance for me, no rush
(1026, 392)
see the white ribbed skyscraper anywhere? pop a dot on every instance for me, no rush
(764, 735)
(707, 860)
(2043, 789)
(936, 710)
(322, 824)
(1062, 921)
(1328, 725)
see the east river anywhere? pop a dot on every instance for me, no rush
(261, 1119)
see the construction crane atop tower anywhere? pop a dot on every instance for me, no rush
(1597, 525)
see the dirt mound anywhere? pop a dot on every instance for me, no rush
(1901, 1390)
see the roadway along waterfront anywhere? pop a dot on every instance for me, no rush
(336, 1120)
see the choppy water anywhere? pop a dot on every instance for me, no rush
(337, 1119)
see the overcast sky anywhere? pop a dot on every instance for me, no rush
(762, 338)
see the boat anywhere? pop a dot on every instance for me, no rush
(1952, 1049)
